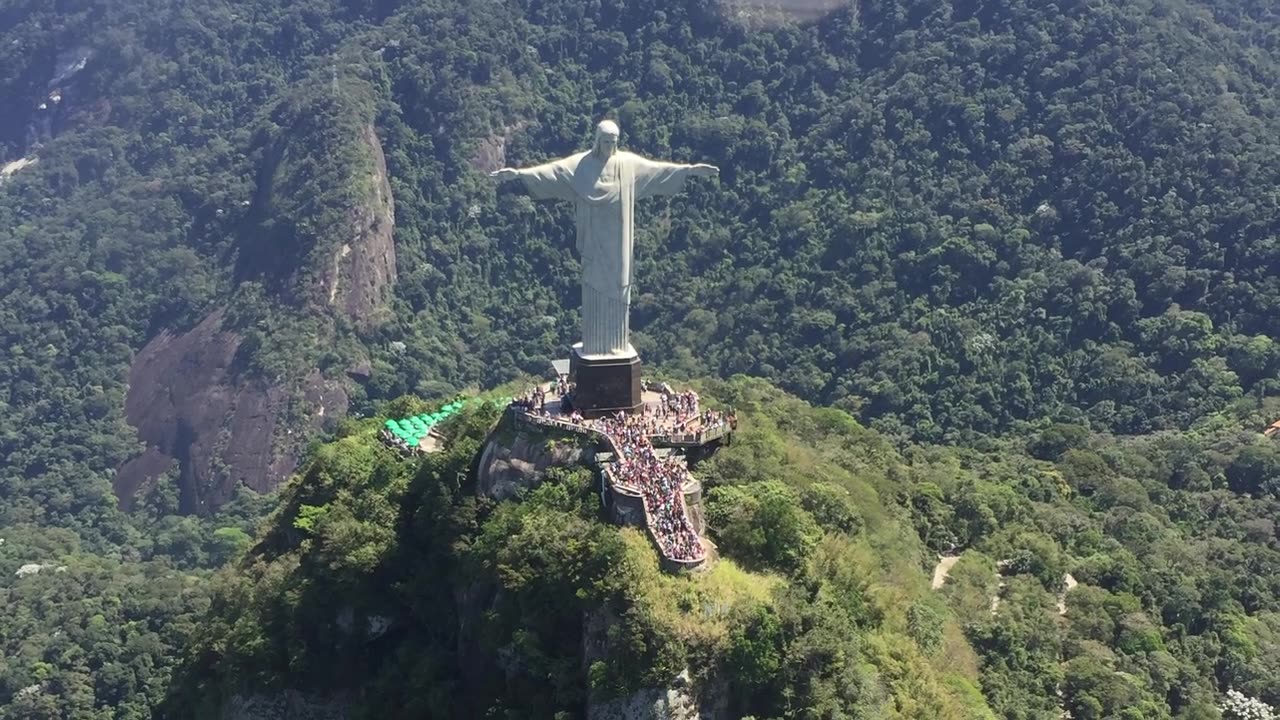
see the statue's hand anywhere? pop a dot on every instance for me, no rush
(704, 170)
(504, 174)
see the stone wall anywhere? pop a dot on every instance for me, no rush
(624, 509)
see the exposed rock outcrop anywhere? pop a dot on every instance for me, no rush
(311, 255)
(359, 280)
(517, 460)
(10, 168)
(674, 702)
(221, 429)
(491, 152)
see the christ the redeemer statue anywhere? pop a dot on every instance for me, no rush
(604, 184)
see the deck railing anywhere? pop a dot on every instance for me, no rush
(521, 415)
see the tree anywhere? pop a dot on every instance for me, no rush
(763, 524)
(1053, 441)
(832, 508)
(1255, 470)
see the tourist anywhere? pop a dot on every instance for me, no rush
(637, 469)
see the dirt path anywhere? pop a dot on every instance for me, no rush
(1068, 584)
(430, 443)
(995, 599)
(945, 563)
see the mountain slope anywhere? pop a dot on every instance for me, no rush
(946, 219)
(444, 604)
(957, 221)
(1111, 577)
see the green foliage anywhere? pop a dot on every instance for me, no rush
(924, 625)
(762, 525)
(86, 635)
(307, 516)
(754, 655)
(493, 604)
(229, 543)
(832, 507)
(946, 220)
(1256, 470)
(1053, 441)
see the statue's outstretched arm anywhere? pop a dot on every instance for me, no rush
(545, 182)
(657, 177)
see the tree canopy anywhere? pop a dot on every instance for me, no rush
(1023, 253)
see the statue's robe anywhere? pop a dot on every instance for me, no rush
(604, 195)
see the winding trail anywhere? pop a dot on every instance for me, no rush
(1068, 584)
(940, 571)
(946, 562)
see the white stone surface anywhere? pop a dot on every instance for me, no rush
(31, 569)
(603, 185)
(1068, 584)
(9, 168)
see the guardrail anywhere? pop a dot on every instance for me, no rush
(521, 415)
(695, 439)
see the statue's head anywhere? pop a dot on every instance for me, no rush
(606, 138)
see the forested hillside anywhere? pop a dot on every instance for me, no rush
(963, 223)
(440, 603)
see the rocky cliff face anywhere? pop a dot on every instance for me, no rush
(191, 409)
(359, 280)
(223, 428)
(680, 699)
(677, 701)
(513, 460)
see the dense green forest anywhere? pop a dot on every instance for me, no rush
(981, 229)
(820, 604)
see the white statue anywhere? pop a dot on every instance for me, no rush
(604, 184)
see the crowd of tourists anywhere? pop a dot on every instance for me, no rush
(678, 408)
(533, 400)
(660, 482)
(708, 419)
(680, 412)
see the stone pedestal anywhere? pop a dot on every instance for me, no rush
(605, 383)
